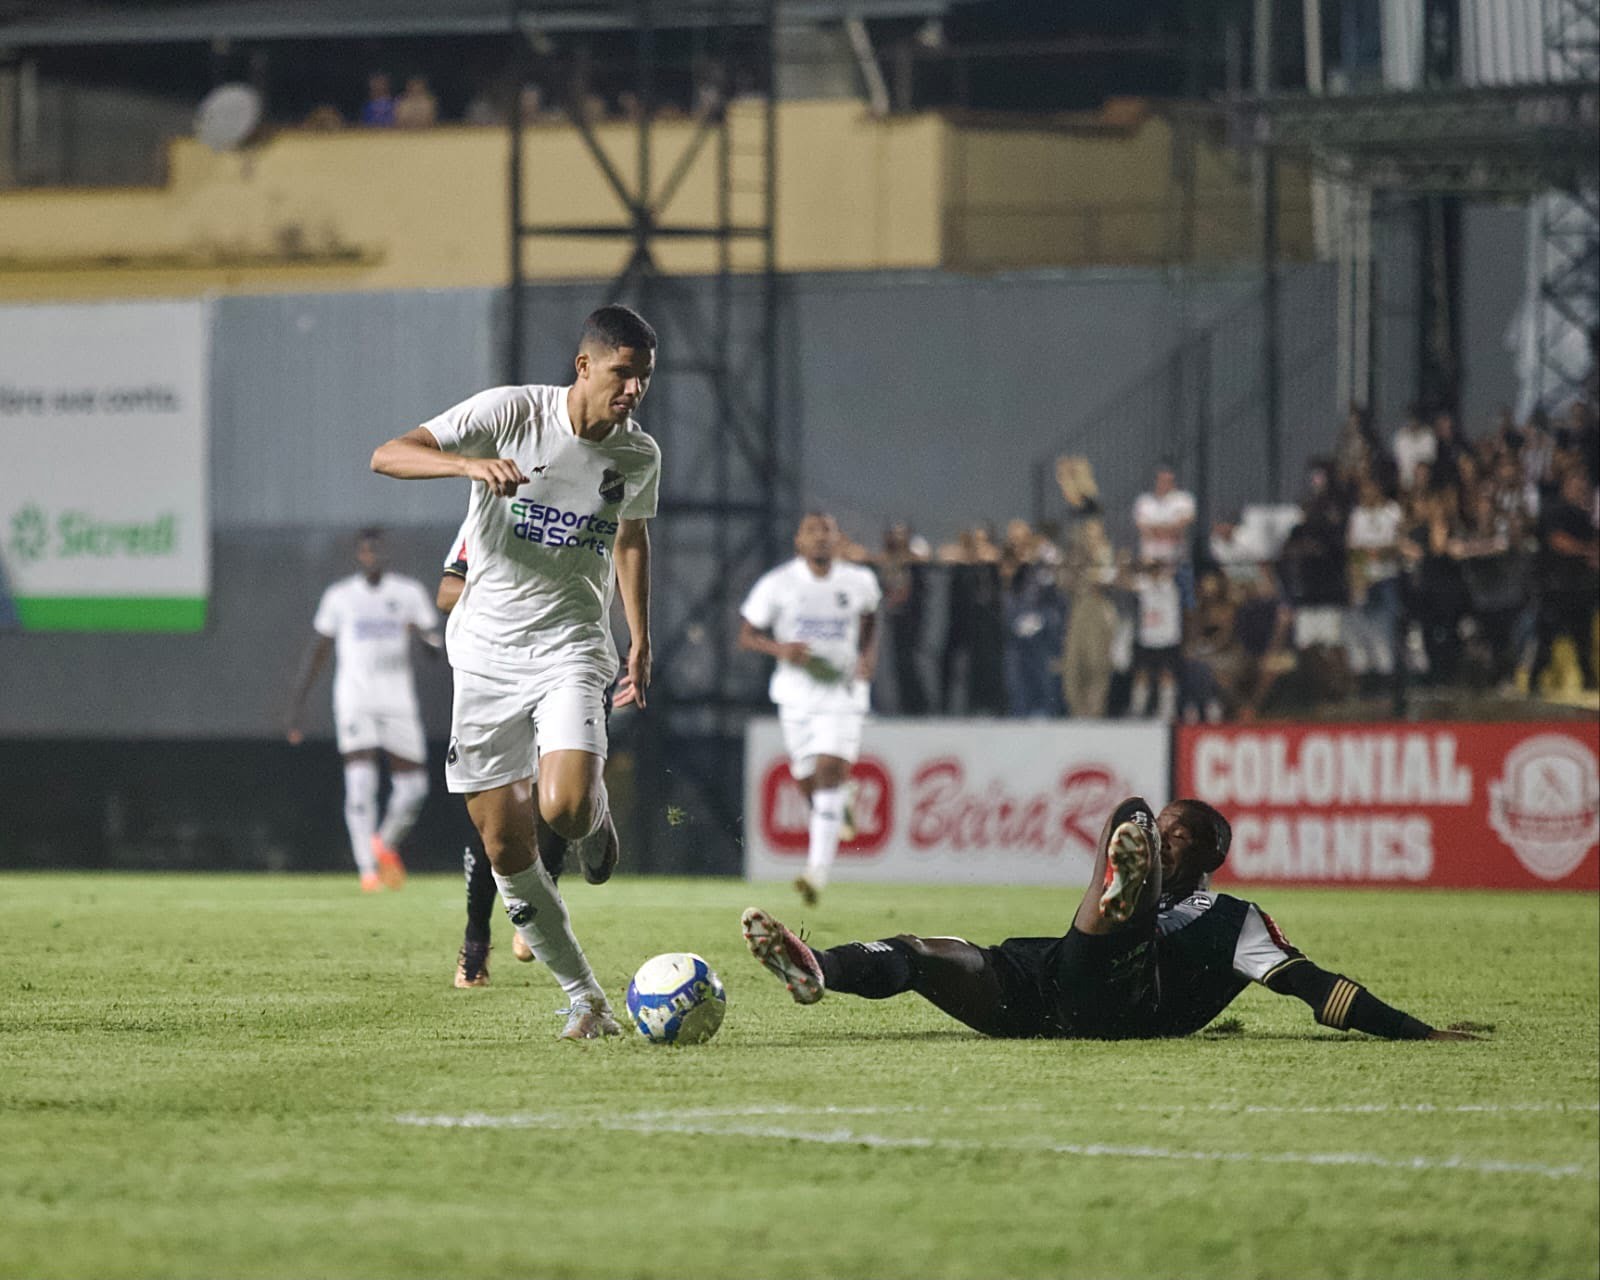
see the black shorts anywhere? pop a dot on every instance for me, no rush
(1078, 987)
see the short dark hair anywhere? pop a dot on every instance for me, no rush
(1211, 831)
(372, 533)
(617, 326)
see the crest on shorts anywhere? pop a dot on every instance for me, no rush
(452, 755)
(611, 485)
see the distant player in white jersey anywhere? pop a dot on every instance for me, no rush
(368, 620)
(818, 616)
(564, 482)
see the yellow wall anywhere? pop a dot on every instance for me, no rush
(388, 210)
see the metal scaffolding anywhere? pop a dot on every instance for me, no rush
(728, 489)
(1435, 148)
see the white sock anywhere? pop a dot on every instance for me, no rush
(534, 904)
(407, 790)
(361, 810)
(827, 815)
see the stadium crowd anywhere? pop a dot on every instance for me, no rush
(1464, 563)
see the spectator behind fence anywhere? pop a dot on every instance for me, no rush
(903, 571)
(1372, 539)
(1569, 558)
(1158, 652)
(378, 112)
(1034, 616)
(1164, 517)
(1487, 544)
(1435, 596)
(1412, 445)
(971, 680)
(416, 108)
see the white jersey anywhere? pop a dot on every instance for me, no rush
(824, 614)
(370, 626)
(540, 578)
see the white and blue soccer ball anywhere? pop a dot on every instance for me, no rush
(676, 999)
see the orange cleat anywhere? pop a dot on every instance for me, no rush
(391, 870)
(370, 883)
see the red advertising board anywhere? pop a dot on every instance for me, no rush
(1511, 806)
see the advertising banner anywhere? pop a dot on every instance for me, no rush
(1460, 805)
(968, 801)
(104, 522)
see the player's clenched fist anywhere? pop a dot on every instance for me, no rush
(502, 475)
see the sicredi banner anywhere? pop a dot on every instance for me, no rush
(1462, 805)
(104, 522)
(967, 801)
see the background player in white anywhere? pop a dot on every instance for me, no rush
(818, 616)
(367, 620)
(563, 484)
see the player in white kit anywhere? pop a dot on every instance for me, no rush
(368, 620)
(564, 482)
(818, 616)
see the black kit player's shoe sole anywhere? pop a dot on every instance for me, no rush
(1131, 852)
(783, 955)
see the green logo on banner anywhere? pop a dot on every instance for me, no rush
(30, 534)
(78, 535)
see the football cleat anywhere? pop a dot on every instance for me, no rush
(590, 1018)
(807, 891)
(391, 870)
(520, 949)
(472, 965)
(1130, 853)
(370, 883)
(598, 852)
(847, 825)
(783, 954)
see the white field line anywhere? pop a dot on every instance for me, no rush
(656, 1123)
(1214, 1108)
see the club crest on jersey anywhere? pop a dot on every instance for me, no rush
(843, 599)
(611, 485)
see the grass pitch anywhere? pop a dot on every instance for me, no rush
(254, 1076)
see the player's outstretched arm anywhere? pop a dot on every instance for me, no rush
(315, 661)
(755, 640)
(1338, 1002)
(632, 556)
(417, 456)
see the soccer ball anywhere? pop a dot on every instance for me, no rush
(676, 999)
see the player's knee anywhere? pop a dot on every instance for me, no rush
(570, 813)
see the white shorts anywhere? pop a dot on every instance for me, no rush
(495, 723)
(809, 734)
(398, 733)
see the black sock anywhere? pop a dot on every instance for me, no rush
(480, 896)
(875, 970)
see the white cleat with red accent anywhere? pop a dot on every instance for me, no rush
(1130, 854)
(783, 954)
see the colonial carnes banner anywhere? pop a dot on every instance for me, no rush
(982, 802)
(103, 484)
(1467, 805)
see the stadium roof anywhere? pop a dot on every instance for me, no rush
(25, 23)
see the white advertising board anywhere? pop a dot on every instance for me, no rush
(969, 801)
(104, 518)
